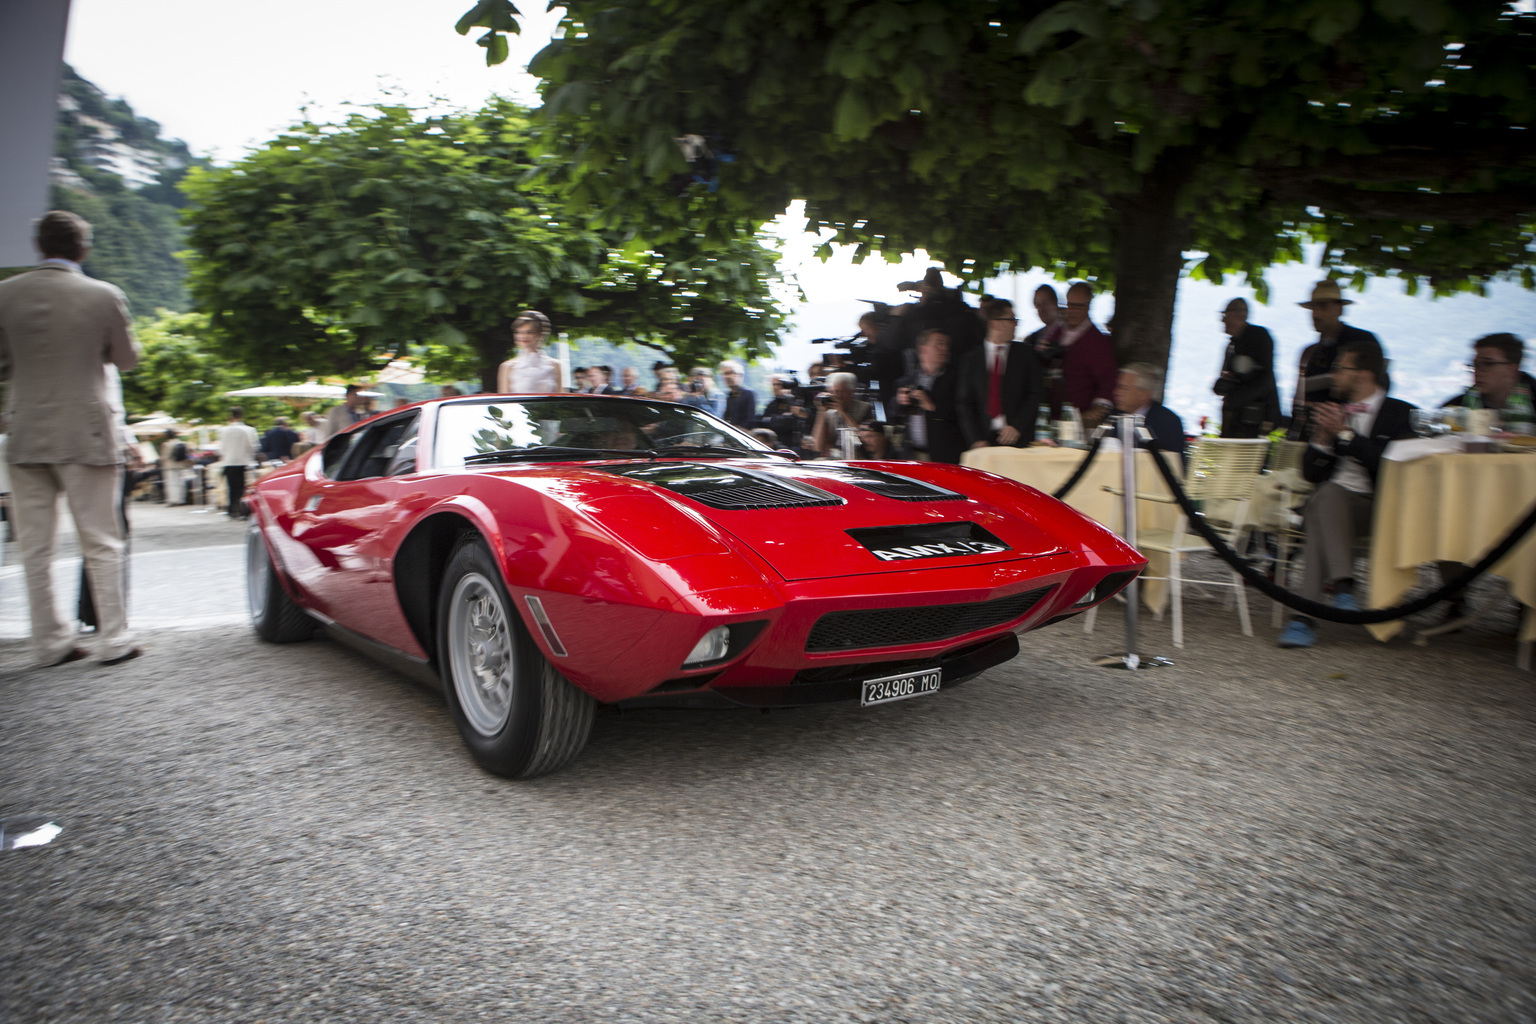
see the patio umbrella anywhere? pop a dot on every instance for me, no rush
(296, 394)
(154, 423)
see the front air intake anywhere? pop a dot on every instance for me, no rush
(891, 627)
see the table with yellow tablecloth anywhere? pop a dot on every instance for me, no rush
(1047, 468)
(1453, 507)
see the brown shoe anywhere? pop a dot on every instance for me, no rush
(73, 654)
(128, 656)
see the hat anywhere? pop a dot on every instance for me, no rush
(1325, 291)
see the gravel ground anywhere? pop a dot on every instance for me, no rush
(260, 833)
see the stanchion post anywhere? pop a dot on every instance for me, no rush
(1127, 431)
(1132, 658)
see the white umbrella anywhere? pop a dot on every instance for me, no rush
(400, 371)
(310, 390)
(154, 423)
(297, 394)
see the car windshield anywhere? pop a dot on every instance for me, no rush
(565, 429)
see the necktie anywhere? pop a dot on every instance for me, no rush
(1354, 407)
(995, 384)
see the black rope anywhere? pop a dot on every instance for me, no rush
(1324, 611)
(1077, 474)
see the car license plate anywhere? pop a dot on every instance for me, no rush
(908, 684)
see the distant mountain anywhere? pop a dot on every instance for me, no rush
(113, 168)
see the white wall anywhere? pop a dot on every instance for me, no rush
(31, 70)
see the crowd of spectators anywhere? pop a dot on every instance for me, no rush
(928, 380)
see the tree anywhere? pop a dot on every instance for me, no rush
(136, 231)
(180, 374)
(1105, 139)
(336, 247)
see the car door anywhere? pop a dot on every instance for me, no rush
(351, 519)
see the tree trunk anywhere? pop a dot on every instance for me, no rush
(1149, 258)
(492, 346)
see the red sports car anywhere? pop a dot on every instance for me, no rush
(536, 556)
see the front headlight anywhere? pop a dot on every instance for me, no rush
(723, 643)
(712, 646)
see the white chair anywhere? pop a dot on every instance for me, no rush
(1222, 473)
(1282, 519)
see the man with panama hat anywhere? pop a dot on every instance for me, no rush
(1327, 306)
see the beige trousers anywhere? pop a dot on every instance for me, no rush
(92, 493)
(1335, 517)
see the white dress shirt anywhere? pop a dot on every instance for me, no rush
(237, 444)
(1349, 472)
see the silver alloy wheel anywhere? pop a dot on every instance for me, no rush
(258, 569)
(482, 653)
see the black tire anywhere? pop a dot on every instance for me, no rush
(273, 614)
(518, 715)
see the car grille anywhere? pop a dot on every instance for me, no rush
(888, 627)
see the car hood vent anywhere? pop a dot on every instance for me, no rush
(887, 485)
(727, 488)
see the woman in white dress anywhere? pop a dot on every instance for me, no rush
(531, 371)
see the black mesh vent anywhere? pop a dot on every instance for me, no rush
(726, 488)
(888, 627)
(757, 494)
(889, 485)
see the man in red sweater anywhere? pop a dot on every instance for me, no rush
(1087, 361)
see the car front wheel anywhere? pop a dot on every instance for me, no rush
(274, 614)
(518, 715)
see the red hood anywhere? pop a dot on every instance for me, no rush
(798, 516)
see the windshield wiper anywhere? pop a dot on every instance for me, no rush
(553, 451)
(716, 449)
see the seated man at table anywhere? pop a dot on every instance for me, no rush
(1499, 384)
(1348, 437)
(1136, 388)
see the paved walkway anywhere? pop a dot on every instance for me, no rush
(186, 571)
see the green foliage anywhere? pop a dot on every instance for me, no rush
(180, 374)
(337, 246)
(137, 232)
(1073, 135)
(497, 17)
(135, 243)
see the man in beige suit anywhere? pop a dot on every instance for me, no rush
(58, 331)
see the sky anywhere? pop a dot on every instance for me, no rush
(224, 77)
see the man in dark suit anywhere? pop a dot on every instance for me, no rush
(1348, 437)
(1317, 359)
(740, 401)
(926, 398)
(1136, 388)
(1250, 403)
(1000, 386)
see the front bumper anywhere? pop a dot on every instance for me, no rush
(823, 686)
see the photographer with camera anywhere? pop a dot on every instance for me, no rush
(925, 399)
(785, 414)
(701, 393)
(837, 409)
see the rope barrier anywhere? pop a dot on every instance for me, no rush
(1077, 474)
(1323, 611)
